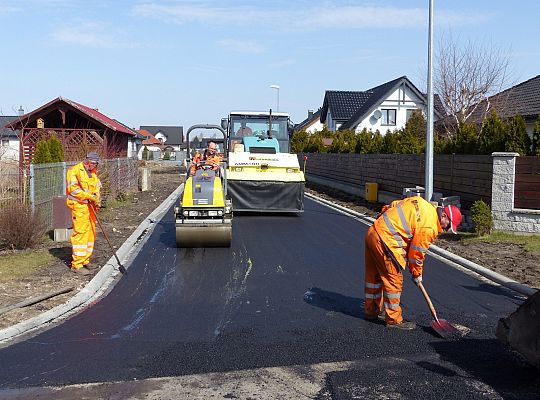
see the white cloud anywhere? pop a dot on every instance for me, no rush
(6, 9)
(202, 13)
(92, 34)
(34, 5)
(304, 17)
(241, 46)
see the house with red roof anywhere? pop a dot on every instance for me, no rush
(79, 128)
(151, 143)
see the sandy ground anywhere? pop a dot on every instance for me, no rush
(510, 260)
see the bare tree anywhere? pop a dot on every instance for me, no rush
(466, 75)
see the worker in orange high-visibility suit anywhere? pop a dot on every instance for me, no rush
(400, 238)
(210, 157)
(83, 198)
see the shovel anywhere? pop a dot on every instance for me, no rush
(442, 327)
(122, 269)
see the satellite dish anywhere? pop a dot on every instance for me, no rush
(377, 114)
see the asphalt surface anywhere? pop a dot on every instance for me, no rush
(287, 293)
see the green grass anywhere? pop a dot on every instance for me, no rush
(19, 265)
(530, 242)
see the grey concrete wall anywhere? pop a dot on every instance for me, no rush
(505, 216)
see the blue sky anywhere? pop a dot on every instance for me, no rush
(186, 62)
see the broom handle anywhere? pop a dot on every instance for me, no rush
(428, 301)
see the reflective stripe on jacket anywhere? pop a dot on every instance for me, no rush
(79, 186)
(408, 227)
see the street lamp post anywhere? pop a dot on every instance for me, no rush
(277, 90)
(429, 131)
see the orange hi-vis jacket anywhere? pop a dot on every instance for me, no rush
(79, 186)
(407, 228)
(213, 160)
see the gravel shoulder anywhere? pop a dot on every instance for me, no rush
(120, 221)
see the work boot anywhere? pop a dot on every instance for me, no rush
(81, 271)
(380, 317)
(403, 325)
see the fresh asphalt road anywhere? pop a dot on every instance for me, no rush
(288, 292)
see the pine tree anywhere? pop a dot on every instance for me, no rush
(492, 135)
(42, 154)
(442, 145)
(145, 153)
(56, 149)
(363, 141)
(466, 139)
(299, 141)
(536, 138)
(416, 125)
(517, 139)
(377, 143)
(315, 144)
(391, 143)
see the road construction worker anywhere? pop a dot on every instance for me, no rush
(83, 198)
(210, 157)
(399, 238)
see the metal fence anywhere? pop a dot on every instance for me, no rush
(43, 182)
(12, 187)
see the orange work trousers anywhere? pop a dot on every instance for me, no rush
(84, 233)
(383, 280)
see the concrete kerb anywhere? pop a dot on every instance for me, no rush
(443, 254)
(104, 280)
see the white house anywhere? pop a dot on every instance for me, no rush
(172, 137)
(384, 107)
(312, 123)
(9, 140)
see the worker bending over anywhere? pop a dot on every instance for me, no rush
(400, 238)
(83, 196)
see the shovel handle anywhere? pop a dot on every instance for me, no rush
(428, 301)
(121, 268)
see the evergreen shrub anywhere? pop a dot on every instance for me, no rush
(482, 218)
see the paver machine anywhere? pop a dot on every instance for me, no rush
(204, 216)
(262, 175)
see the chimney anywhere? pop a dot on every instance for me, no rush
(21, 111)
(310, 114)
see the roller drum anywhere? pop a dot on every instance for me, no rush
(203, 236)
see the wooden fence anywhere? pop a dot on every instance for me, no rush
(527, 189)
(467, 176)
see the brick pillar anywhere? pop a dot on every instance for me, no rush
(502, 189)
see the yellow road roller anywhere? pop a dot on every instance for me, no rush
(204, 216)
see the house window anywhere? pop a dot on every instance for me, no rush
(4, 143)
(388, 116)
(410, 112)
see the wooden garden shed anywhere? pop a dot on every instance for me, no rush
(79, 128)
